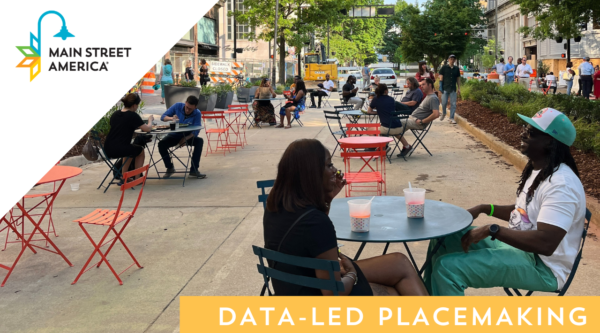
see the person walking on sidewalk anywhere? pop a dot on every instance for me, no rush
(326, 89)
(366, 74)
(203, 73)
(500, 70)
(184, 113)
(586, 70)
(568, 76)
(166, 77)
(524, 72)
(450, 78)
(509, 71)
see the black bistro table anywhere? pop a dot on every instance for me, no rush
(389, 223)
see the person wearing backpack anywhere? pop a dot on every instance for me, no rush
(568, 77)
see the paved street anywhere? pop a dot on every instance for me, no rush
(196, 240)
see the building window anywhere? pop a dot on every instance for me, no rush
(242, 29)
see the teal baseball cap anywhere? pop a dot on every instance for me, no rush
(553, 123)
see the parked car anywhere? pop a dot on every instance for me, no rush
(386, 75)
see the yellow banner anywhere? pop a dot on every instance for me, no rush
(389, 314)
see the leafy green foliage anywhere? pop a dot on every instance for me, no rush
(513, 99)
(488, 59)
(208, 90)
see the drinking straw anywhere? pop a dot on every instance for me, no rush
(410, 187)
(371, 199)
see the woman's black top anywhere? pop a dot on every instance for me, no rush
(189, 73)
(122, 126)
(310, 237)
(385, 106)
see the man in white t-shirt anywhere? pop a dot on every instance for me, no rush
(325, 89)
(524, 72)
(537, 248)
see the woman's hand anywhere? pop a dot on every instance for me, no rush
(340, 182)
(345, 265)
(474, 236)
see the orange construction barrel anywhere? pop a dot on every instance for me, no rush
(493, 77)
(148, 83)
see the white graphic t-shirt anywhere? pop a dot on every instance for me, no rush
(560, 201)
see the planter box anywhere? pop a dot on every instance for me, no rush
(175, 94)
(207, 103)
(243, 95)
(224, 100)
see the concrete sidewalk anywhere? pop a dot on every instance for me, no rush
(196, 240)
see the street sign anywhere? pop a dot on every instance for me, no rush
(220, 66)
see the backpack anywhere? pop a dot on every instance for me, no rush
(567, 76)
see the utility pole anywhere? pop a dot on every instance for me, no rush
(497, 40)
(275, 43)
(328, 53)
(234, 31)
(299, 49)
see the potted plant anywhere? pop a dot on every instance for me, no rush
(224, 96)
(243, 93)
(178, 93)
(207, 99)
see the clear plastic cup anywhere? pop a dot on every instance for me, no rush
(360, 215)
(75, 187)
(415, 202)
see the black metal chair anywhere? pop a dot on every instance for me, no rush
(401, 116)
(262, 185)
(117, 172)
(563, 290)
(311, 263)
(398, 95)
(419, 136)
(335, 115)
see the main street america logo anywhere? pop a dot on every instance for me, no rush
(32, 52)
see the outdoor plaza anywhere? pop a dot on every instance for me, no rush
(196, 240)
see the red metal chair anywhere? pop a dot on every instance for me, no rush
(220, 131)
(363, 129)
(241, 126)
(548, 86)
(112, 218)
(356, 178)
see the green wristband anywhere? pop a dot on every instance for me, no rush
(491, 210)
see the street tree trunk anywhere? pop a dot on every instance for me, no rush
(281, 78)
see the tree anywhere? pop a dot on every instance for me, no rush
(488, 60)
(558, 18)
(442, 28)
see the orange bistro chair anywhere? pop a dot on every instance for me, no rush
(363, 129)
(220, 131)
(110, 219)
(240, 125)
(372, 168)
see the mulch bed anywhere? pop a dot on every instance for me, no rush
(77, 149)
(509, 133)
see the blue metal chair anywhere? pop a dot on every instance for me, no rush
(262, 185)
(588, 217)
(311, 282)
(117, 172)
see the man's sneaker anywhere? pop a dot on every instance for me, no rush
(312, 107)
(169, 173)
(405, 151)
(442, 117)
(197, 174)
(452, 121)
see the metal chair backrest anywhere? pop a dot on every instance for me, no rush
(363, 129)
(129, 184)
(334, 115)
(339, 108)
(262, 185)
(238, 107)
(330, 266)
(96, 137)
(354, 151)
(217, 116)
(563, 290)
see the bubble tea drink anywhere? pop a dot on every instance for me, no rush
(415, 202)
(360, 215)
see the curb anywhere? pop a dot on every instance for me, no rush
(517, 159)
(76, 161)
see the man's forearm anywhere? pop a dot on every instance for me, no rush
(535, 241)
(501, 212)
(409, 103)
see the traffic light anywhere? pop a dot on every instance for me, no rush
(435, 34)
(559, 39)
(562, 55)
(239, 50)
(466, 33)
(271, 56)
(565, 46)
(577, 39)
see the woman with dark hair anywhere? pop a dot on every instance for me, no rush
(264, 111)
(166, 77)
(295, 103)
(537, 248)
(203, 72)
(424, 72)
(306, 184)
(122, 125)
(385, 106)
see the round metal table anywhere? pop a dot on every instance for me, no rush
(389, 223)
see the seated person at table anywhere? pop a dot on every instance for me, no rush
(184, 113)
(427, 112)
(412, 99)
(123, 124)
(293, 86)
(307, 181)
(295, 103)
(264, 109)
(384, 106)
(325, 89)
(349, 93)
(538, 247)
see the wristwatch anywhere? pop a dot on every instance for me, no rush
(494, 228)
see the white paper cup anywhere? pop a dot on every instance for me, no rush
(75, 187)
(415, 202)
(360, 215)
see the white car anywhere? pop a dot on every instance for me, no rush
(386, 75)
